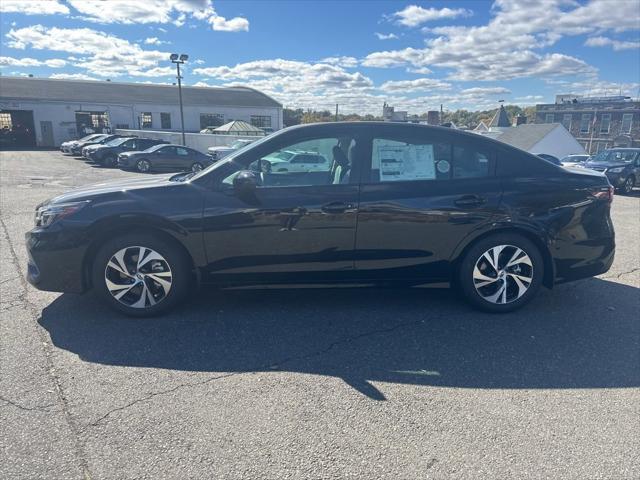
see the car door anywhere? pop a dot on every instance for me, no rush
(301, 223)
(164, 158)
(424, 191)
(183, 159)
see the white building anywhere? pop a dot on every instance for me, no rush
(46, 112)
(550, 138)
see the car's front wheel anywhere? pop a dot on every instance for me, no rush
(501, 273)
(196, 167)
(140, 275)
(143, 166)
(627, 186)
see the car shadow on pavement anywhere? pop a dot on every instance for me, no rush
(580, 335)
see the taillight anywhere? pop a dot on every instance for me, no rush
(604, 193)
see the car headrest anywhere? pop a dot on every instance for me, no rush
(339, 156)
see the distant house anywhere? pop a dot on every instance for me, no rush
(550, 138)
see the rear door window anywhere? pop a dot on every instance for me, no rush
(395, 159)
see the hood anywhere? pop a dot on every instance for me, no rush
(132, 153)
(603, 165)
(218, 149)
(89, 191)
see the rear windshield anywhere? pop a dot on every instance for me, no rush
(116, 141)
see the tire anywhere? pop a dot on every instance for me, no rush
(196, 167)
(143, 166)
(627, 186)
(109, 161)
(482, 285)
(159, 284)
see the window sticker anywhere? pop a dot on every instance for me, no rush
(400, 162)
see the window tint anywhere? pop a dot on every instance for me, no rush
(182, 152)
(470, 163)
(321, 161)
(167, 150)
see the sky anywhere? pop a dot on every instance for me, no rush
(414, 55)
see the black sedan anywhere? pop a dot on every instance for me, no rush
(620, 165)
(163, 157)
(397, 203)
(107, 154)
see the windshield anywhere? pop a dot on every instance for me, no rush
(281, 155)
(229, 158)
(89, 137)
(155, 147)
(116, 141)
(238, 144)
(614, 156)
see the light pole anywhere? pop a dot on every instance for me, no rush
(179, 61)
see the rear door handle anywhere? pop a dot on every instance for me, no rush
(470, 201)
(337, 207)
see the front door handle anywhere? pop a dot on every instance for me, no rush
(470, 201)
(337, 207)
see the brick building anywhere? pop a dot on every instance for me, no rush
(596, 122)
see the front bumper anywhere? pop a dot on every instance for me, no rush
(125, 162)
(55, 260)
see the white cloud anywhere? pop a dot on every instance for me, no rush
(417, 85)
(156, 11)
(106, 55)
(413, 15)
(420, 70)
(156, 41)
(33, 7)
(346, 62)
(617, 45)
(236, 24)
(483, 91)
(72, 76)
(32, 62)
(386, 36)
(509, 45)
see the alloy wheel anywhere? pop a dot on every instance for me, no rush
(143, 166)
(628, 185)
(138, 277)
(196, 167)
(503, 274)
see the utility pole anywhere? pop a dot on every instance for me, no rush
(179, 61)
(336, 112)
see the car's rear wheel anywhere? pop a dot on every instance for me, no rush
(501, 273)
(143, 166)
(627, 186)
(140, 275)
(196, 167)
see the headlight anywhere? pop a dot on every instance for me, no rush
(48, 214)
(615, 170)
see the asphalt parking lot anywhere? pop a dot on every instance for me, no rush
(308, 383)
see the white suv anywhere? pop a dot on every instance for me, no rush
(297, 161)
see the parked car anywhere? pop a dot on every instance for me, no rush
(295, 161)
(620, 165)
(164, 157)
(76, 149)
(107, 154)
(425, 204)
(574, 160)
(65, 147)
(550, 158)
(217, 153)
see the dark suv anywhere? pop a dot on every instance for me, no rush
(107, 154)
(396, 203)
(620, 165)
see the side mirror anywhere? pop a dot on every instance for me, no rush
(245, 182)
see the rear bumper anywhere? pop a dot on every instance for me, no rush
(589, 259)
(55, 260)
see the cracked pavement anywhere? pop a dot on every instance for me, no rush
(308, 383)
